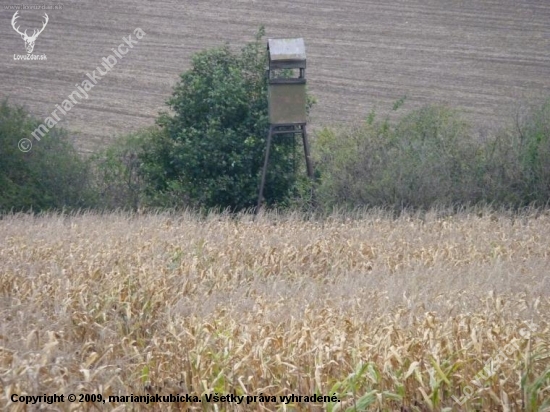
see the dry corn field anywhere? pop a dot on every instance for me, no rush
(416, 313)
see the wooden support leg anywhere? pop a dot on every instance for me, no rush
(264, 171)
(306, 152)
(309, 166)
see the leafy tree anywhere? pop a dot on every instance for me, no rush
(50, 176)
(210, 151)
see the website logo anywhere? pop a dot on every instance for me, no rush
(29, 40)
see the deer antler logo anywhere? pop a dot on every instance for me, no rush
(29, 40)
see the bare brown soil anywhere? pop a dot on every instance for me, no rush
(482, 57)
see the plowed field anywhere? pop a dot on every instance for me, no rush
(482, 57)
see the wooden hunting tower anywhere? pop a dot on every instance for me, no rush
(287, 100)
(287, 81)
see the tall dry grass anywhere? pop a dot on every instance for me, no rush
(390, 314)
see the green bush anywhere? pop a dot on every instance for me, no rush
(534, 136)
(50, 176)
(430, 158)
(425, 159)
(434, 160)
(517, 161)
(117, 171)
